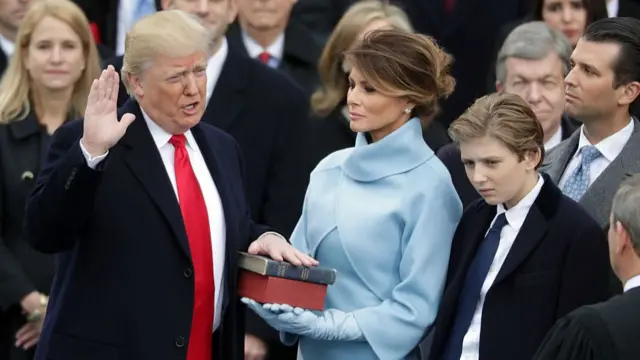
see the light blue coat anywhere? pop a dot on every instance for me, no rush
(383, 215)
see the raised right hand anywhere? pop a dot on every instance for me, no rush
(102, 129)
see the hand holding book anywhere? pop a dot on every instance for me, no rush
(330, 324)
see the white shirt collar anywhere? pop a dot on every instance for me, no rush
(632, 283)
(276, 49)
(517, 214)
(161, 136)
(214, 66)
(8, 47)
(610, 147)
(554, 140)
(613, 7)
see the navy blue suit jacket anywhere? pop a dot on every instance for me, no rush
(124, 286)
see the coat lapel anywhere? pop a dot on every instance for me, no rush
(227, 99)
(558, 158)
(599, 196)
(534, 228)
(144, 161)
(222, 185)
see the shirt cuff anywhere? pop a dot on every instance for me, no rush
(92, 162)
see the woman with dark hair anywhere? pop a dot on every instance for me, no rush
(571, 17)
(382, 213)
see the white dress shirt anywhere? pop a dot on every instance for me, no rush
(276, 49)
(8, 47)
(515, 218)
(613, 6)
(214, 67)
(209, 192)
(610, 148)
(554, 140)
(632, 283)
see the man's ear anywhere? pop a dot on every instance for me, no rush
(136, 85)
(499, 87)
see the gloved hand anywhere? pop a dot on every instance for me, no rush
(328, 325)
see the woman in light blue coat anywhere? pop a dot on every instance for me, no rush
(382, 213)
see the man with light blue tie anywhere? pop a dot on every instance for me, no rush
(601, 87)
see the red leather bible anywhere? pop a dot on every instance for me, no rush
(268, 281)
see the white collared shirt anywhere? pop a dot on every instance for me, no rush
(610, 148)
(209, 192)
(214, 67)
(7, 46)
(276, 49)
(515, 219)
(554, 140)
(613, 6)
(632, 283)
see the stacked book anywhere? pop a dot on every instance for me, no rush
(268, 281)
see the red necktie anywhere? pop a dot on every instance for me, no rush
(449, 4)
(196, 222)
(264, 57)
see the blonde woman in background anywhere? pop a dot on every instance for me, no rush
(47, 83)
(330, 129)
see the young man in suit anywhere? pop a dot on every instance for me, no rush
(600, 88)
(266, 32)
(532, 63)
(145, 206)
(266, 113)
(607, 330)
(522, 256)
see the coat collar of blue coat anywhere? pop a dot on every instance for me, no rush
(398, 152)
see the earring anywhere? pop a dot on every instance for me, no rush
(407, 111)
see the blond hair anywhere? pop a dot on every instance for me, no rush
(505, 117)
(172, 33)
(333, 78)
(16, 92)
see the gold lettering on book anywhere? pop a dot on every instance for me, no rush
(305, 273)
(281, 269)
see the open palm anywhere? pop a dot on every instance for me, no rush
(102, 129)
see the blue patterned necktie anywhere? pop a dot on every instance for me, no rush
(578, 182)
(470, 294)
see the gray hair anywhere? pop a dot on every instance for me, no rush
(533, 41)
(172, 33)
(626, 208)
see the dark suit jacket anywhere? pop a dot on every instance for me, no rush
(450, 156)
(105, 14)
(598, 198)
(124, 286)
(558, 262)
(469, 34)
(605, 331)
(300, 56)
(267, 115)
(22, 268)
(629, 8)
(321, 16)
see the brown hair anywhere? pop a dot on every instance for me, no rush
(332, 75)
(405, 65)
(504, 117)
(16, 89)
